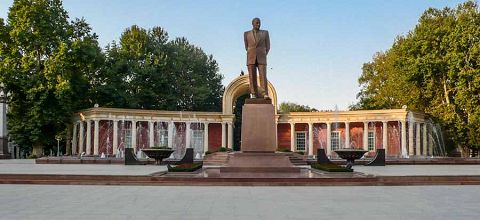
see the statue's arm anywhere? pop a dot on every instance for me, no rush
(245, 40)
(267, 42)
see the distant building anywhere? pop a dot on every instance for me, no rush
(400, 132)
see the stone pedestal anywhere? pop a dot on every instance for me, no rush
(4, 148)
(258, 127)
(258, 142)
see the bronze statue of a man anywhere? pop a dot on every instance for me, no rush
(257, 44)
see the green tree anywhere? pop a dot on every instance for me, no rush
(434, 68)
(146, 70)
(45, 64)
(286, 107)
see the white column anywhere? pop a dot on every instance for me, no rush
(230, 135)
(417, 139)
(292, 136)
(188, 135)
(425, 140)
(276, 133)
(151, 132)
(365, 135)
(310, 138)
(385, 136)
(74, 139)
(89, 138)
(404, 138)
(224, 135)
(115, 137)
(134, 136)
(170, 128)
(81, 140)
(430, 141)
(411, 151)
(347, 134)
(329, 138)
(95, 136)
(205, 137)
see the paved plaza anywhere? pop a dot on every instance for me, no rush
(226, 202)
(29, 167)
(177, 202)
(420, 170)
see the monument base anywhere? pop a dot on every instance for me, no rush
(258, 126)
(259, 142)
(259, 162)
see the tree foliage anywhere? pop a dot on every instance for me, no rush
(286, 107)
(434, 68)
(53, 67)
(146, 70)
(45, 61)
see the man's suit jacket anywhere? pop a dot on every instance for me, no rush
(257, 49)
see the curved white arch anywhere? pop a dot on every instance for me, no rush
(238, 87)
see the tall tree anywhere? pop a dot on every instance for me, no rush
(46, 61)
(434, 68)
(146, 70)
(286, 107)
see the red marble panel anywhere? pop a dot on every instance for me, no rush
(214, 137)
(283, 136)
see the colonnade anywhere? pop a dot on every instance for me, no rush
(82, 138)
(413, 136)
(419, 143)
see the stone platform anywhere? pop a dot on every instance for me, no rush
(27, 172)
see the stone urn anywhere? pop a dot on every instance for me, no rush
(350, 154)
(158, 154)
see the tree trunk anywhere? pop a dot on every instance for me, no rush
(37, 150)
(445, 92)
(68, 143)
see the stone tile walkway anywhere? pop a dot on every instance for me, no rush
(160, 202)
(417, 170)
(29, 167)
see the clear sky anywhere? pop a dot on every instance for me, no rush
(317, 47)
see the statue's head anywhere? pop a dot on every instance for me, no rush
(256, 24)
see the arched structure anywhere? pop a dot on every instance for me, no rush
(238, 87)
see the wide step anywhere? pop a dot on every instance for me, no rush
(297, 160)
(216, 159)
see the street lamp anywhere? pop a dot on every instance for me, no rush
(58, 138)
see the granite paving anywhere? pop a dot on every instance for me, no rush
(182, 202)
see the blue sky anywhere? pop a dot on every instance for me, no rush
(317, 47)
